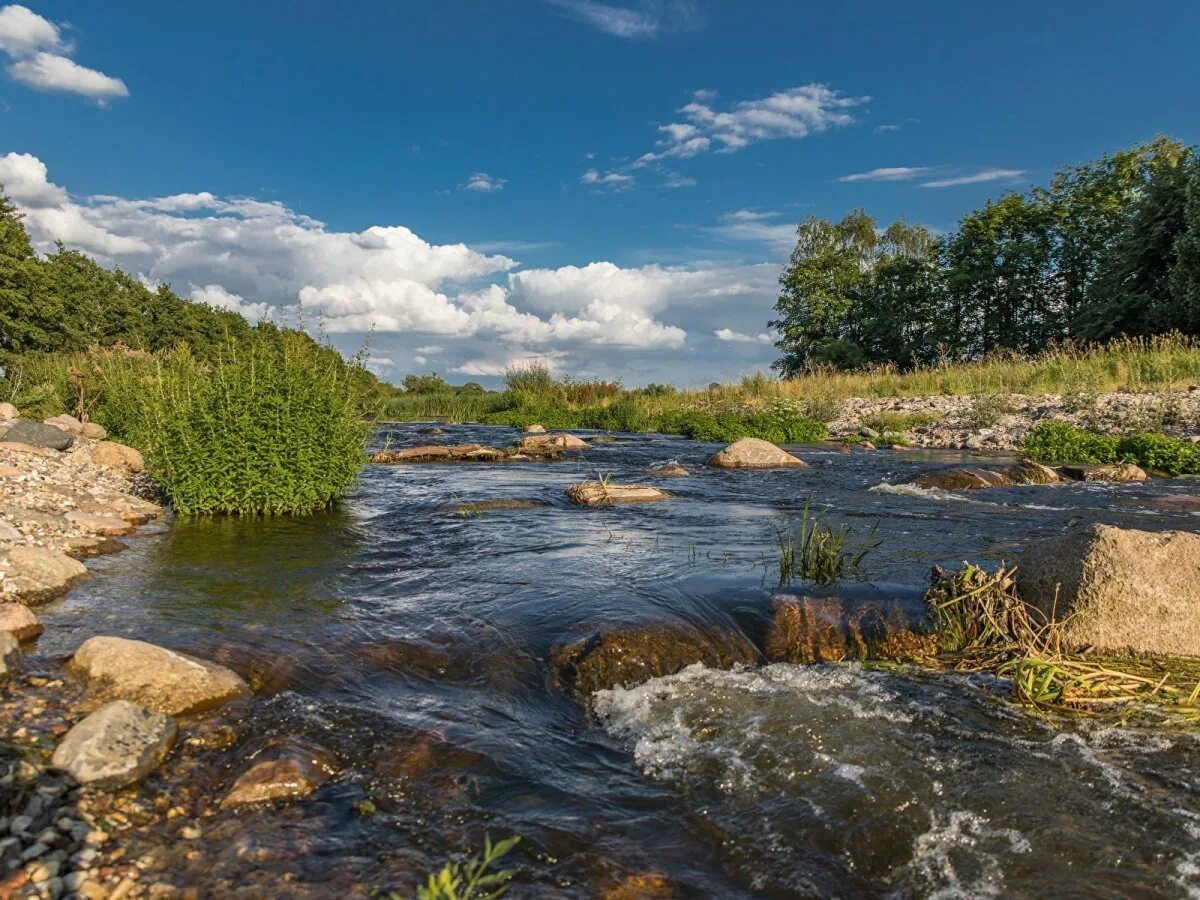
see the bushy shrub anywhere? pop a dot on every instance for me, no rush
(1059, 442)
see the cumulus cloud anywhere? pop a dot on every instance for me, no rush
(793, 113)
(976, 178)
(484, 183)
(264, 259)
(616, 181)
(41, 58)
(893, 173)
(728, 334)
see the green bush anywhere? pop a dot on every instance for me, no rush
(1059, 442)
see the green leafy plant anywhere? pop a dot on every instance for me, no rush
(1060, 442)
(473, 879)
(812, 550)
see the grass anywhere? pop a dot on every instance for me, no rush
(899, 422)
(273, 424)
(1055, 442)
(983, 625)
(812, 550)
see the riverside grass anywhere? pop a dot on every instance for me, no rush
(984, 626)
(271, 424)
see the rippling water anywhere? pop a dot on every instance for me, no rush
(411, 642)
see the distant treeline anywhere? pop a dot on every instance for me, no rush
(1109, 249)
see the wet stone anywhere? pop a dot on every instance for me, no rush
(807, 630)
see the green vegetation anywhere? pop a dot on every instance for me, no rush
(471, 880)
(1056, 442)
(812, 550)
(1109, 249)
(900, 422)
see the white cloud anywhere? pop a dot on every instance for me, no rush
(262, 259)
(675, 180)
(420, 360)
(484, 183)
(41, 58)
(977, 178)
(728, 334)
(614, 20)
(616, 181)
(893, 173)
(757, 227)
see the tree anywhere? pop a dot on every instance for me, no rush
(20, 324)
(1185, 278)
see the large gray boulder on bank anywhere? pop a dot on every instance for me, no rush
(33, 575)
(117, 745)
(752, 453)
(160, 679)
(1118, 590)
(36, 434)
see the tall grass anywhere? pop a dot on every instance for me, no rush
(812, 550)
(273, 424)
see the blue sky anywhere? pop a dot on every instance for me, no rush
(624, 176)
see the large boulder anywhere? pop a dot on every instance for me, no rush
(752, 453)
(291, 773)
(117, 745)
(160, 679)
(630, 656)
(550, 444)
(10, 654)
(33, 575)
(18, 620)
(117, 456)
(807, 630)
(976, 479)
(600, 493)
(37, 434)
(1117, 589)
(67, 423)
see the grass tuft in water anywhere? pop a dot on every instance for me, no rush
(473, 879)
(812, 550)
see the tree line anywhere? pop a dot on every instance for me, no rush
(1108, 249)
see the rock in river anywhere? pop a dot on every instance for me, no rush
(1117, 472)
(35, 434)
(163, 680)
(10, 654)
(1118, 589)
(629, 656)
(752, 453)
(976, 479)
(599, 493)
(670, 471)
(550, 444)
(827, 629)
(33, 575)
(291, 773)
(18, 620)
(117, 745)
(534, 429)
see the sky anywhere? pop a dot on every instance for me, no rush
(610, 188)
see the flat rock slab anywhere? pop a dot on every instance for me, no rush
(440, 453)
(467, 508)
(291, 774)
(117, 745)
(109, 526)
(752, 453)
(1117, 589)
(18, 620)
(597, 493)
(978, 479)
(33, 575)
(37, 434)
(155, 677)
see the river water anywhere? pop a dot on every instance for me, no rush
(411, 643)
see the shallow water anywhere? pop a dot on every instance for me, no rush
(411, 642)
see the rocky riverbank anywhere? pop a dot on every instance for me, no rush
(1001, 421)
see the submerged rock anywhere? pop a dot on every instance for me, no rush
(975, 479)
(1117, 472)
(18, 620)
(480, 506)
(670, 471)
(752, 453)
(1118, 589)
(37, 434)
(646, 886)
(439, 453)
(433, 430)
(598, 493)
(807, 630)
(629, 656)
(291, 773)
(117, 745)
(161, 679)
(10, 654)
(550, 444)
(117, 456)
(33, 575)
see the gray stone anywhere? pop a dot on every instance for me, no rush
(10, 654)
(36, 434)
(117, 745)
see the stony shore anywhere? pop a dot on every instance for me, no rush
(1001, 422)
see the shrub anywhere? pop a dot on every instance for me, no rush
(1059, 442)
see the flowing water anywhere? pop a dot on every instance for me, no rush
(411, 642)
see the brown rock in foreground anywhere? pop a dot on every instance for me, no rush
(1118, 590)
(18, 620)
(291, 773)
(33, 575)
(155, 677)
(807, 630)
(598, 493)
(752, 453)
(629, 656)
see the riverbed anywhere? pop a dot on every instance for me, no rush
(410, 642)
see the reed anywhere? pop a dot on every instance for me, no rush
(812, 550)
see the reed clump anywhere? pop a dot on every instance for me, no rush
(984, 626)
(812, 550)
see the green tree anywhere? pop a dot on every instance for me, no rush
(21, 323)
(1185, 278)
